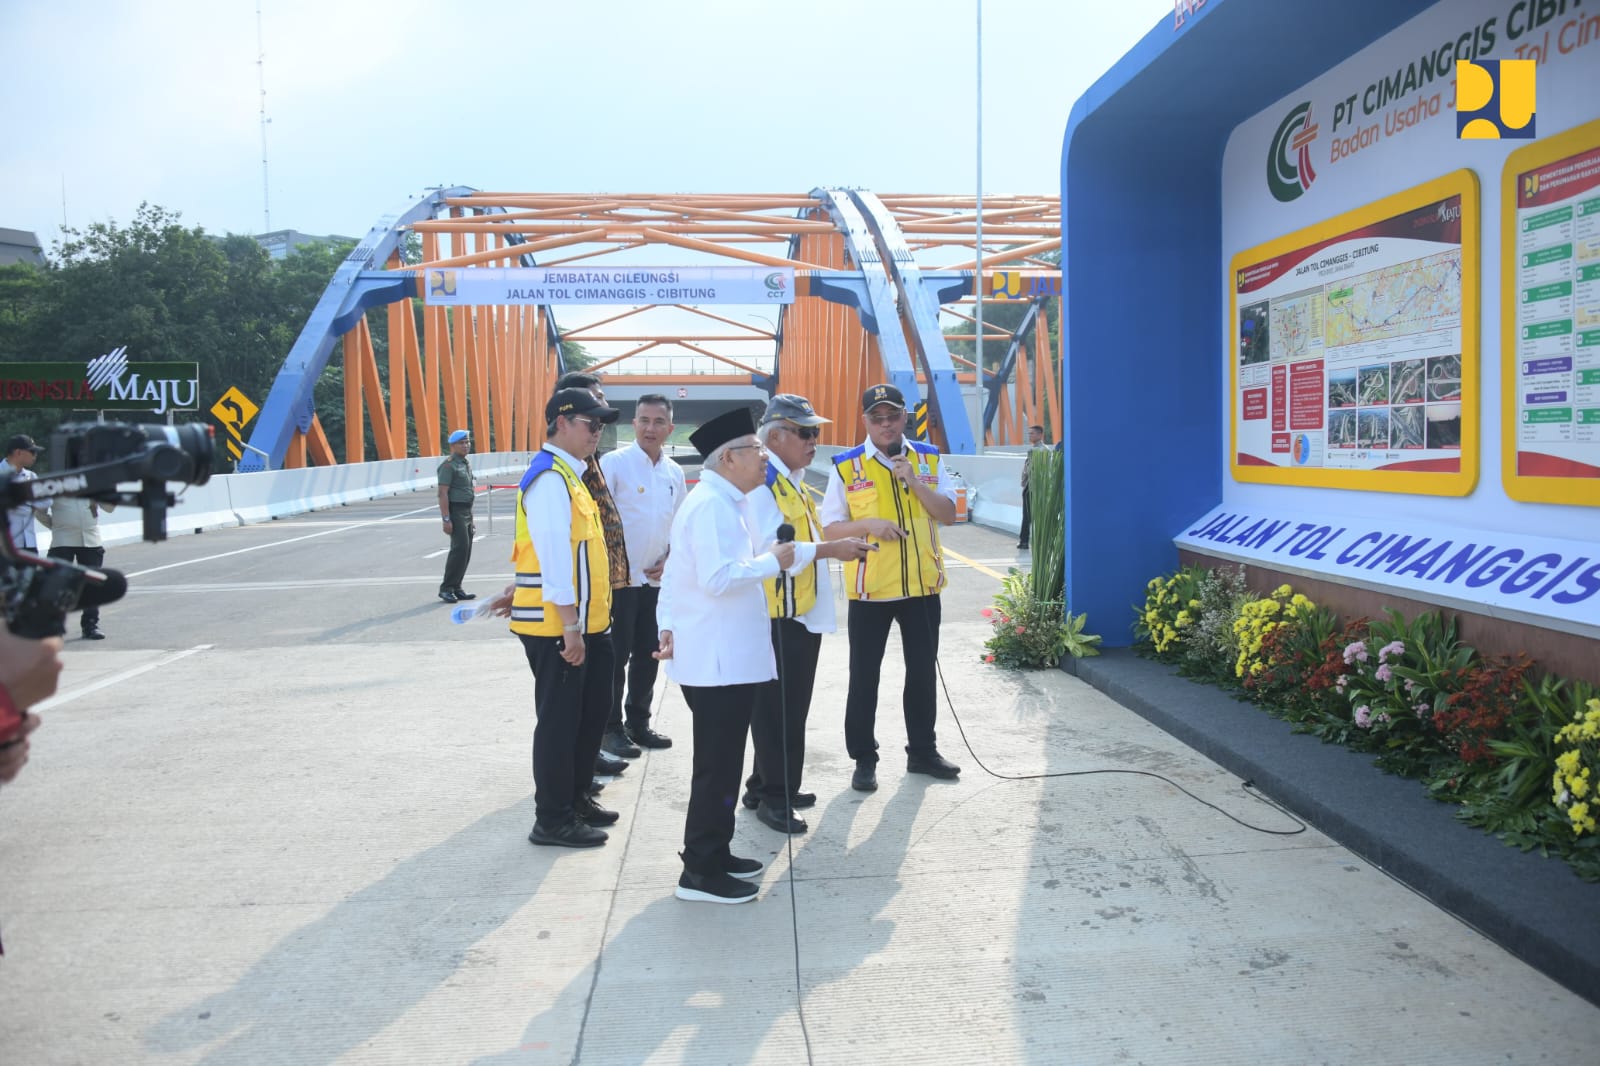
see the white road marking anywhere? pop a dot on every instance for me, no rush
(279, 543)
(106, 682)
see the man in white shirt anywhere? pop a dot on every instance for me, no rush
(21, 454)
(75, 538)
(800, 606)
(647, 488)
(717, 646)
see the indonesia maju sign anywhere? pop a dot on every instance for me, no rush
(106, 383)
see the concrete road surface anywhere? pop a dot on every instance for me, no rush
(280, 816)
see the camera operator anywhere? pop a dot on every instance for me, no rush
(21, 454)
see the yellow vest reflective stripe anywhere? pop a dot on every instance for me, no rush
(910, 567)
(790, 597)
(591, 575)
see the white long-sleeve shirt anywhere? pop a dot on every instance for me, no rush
(549, 511)
(20, 519)
(648, 495)
(766, 518)
(711, 596)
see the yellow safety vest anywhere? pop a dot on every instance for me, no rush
(898, 569)
(790, 597)
(591, 574)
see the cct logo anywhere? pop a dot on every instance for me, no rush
(1289, 172)
(1495, 99)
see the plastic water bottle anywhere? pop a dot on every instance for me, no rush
(462, 613)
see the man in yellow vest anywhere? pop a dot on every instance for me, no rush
(896, 492)
(800, 605)
(560, 607)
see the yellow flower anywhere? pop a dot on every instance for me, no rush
(1579, 784)
(1282, 590)
(1567, 761)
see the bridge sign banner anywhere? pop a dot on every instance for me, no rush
(622, 285)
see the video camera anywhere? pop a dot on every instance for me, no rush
(89, 460)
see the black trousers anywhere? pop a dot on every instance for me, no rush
(461, 533)
(634, 636)
(570, 703)
(918, 618)
(1027, 521)
(91, 557)
(721, 720)
(778, 728)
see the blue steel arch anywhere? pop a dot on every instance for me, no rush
(894, 292)
(357, 285)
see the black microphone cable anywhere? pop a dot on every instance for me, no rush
(1248, 786)
(786, 536)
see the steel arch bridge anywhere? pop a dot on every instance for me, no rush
(874, 276)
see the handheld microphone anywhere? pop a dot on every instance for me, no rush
(893, 452)
(785, 533)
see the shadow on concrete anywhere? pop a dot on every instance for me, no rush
(733, 986)
(370, 959)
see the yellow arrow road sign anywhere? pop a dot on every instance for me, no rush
(234, 411)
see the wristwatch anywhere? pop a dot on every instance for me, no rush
(576, 627)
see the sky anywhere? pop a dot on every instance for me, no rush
(109, 103)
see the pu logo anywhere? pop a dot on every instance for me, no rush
(1005, 285)
(1530, 186)
(1495, 99)
(441, 283)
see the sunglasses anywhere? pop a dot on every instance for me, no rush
(803, 432)
(592, 424)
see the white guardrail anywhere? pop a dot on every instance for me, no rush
(242, 499)
(993, 481)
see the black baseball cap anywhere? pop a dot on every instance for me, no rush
(578, 402)
(883, 394)
(788, 407)
(23, 442)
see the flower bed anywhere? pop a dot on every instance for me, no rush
(1517, 751)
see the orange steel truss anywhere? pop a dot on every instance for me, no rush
(489, 369)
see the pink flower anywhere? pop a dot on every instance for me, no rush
(1364, 716)
(1412, 688)
(1396, 648)
(1421, 709)
(1355, 652)
(1383, 673)
(988, 658)
(1021, 630)
(987, 613)
(1384, 717)
(1344, 679)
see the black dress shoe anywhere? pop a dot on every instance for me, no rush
(606, 764)
(746, 869)
(596, 787)
(750, 800)
(802, 800)
(716, 887)
(591, 813)
(782, 821)
(93, 633)
(646, 737)
(865, 779)
(617, 744)
(570, 834)
(463, 594)
(447, 596)
(934, 765)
